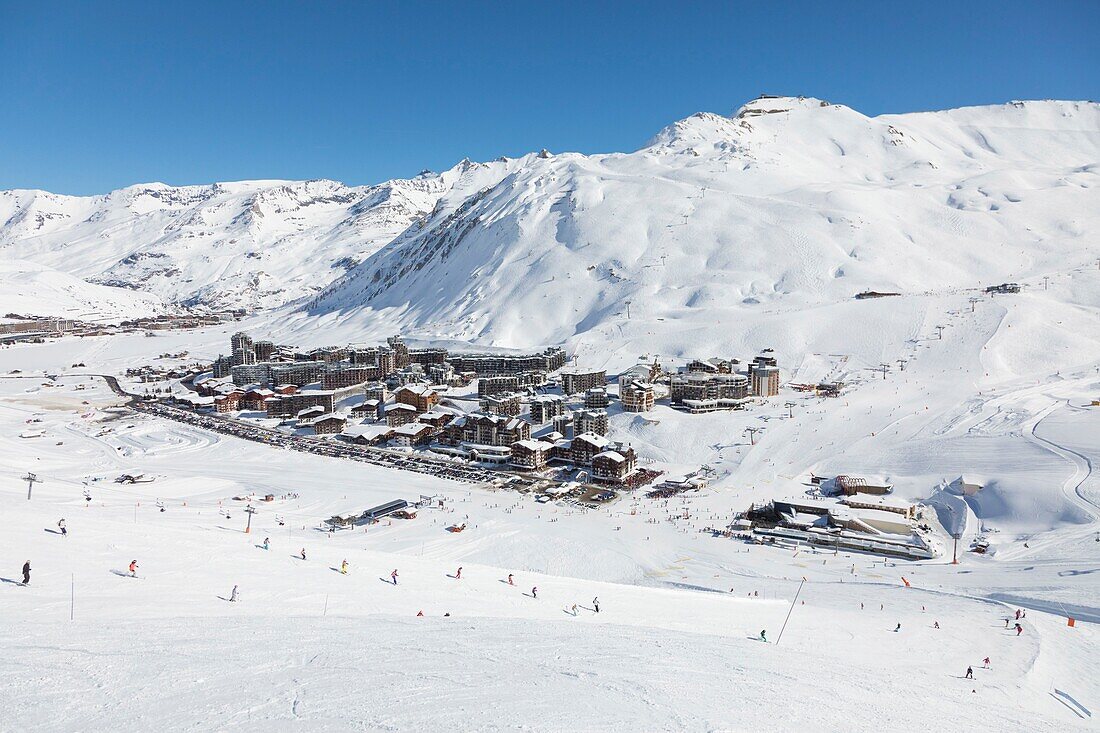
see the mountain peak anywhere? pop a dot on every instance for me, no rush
(767, 104)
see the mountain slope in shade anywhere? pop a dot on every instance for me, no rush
(251, 245)
(788, 204)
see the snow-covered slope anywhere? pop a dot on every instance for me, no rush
(252, 245)
(788, 204)
(30, 289)
(675, 645)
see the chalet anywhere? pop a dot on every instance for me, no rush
(254, 399)
(489, 430)
(531, 455)
(400, 414)
(228, 402)
(583, 447)
(367, 434)
(310, 413)
(613, 466)
(419, 396)
(328, 424)
(368, 408)
(194, 401)
(436, 418)
(413, 434)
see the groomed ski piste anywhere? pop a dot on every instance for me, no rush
(1003, 397)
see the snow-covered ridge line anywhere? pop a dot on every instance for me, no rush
(802, 191)
(789, 203)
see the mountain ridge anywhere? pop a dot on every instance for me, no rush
(778, 165)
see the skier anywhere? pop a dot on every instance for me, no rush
(458, 573)
(985, 662)
(27, 573)
(511, 579)
(898, 627)
(303, 553)
(393, 577)
(535, 592)
(419, 614)
(969, 673)
(1017, 614)
(344, 567)
(61, 526)
(1006, 621)
(133, 568)
(233, 595)
(763, 635)
(596, 604)
(267, 543)
(1019, 629)
(936, 625)
(574, 609)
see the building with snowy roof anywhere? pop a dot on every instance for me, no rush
(613, 466)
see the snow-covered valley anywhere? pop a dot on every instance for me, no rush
(723, 236)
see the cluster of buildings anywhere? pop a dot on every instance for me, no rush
(861, 514)
(390, 394)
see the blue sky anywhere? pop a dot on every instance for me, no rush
(96, 96)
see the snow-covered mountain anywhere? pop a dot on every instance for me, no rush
(27, 288)
(789, 203)
(251, 245)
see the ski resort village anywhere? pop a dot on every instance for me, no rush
(528, 422)
(787, 420)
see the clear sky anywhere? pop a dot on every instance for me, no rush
(99, 95)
